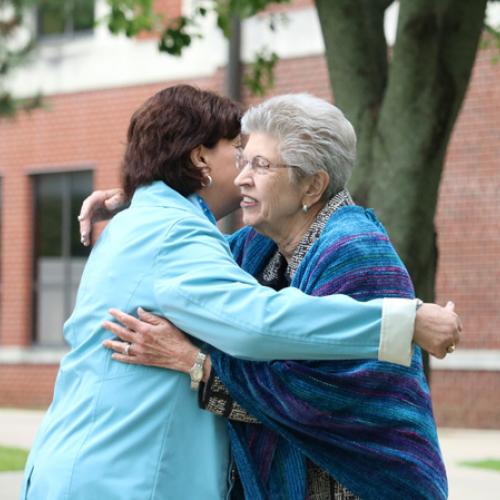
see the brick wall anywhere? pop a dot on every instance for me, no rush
(28, 386)
(467, 214)
(466, 399)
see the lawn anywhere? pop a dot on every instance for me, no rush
(12, 459)
(490, 464)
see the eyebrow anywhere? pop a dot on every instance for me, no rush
(260, 156)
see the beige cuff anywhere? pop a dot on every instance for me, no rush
(396, 332)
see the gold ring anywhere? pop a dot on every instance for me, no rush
(450, 348)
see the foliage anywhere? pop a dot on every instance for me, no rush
(260, 73)
(13, 52)
(12, 459)
(132, 17)
(489, 464)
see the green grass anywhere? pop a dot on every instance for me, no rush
(490, 464)
(12, 459)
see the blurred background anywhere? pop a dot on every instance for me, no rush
(72, 73)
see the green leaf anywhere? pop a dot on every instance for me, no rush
(259, 77)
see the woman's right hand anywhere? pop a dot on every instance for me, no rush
(152, 341)
(437, 329)
(100, 205)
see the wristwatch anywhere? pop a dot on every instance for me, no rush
(196, 371)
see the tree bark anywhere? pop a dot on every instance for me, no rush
(403, 110)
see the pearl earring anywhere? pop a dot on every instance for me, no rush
(305, 208)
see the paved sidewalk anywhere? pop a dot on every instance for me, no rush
(18, 428)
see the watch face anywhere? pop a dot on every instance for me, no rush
(197, 373)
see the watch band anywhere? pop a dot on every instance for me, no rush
(196, 371)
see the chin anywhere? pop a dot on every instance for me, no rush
(251, 221)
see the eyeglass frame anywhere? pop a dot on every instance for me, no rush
(257, 168)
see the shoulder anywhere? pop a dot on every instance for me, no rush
(353, 226)
(354, 256)
(351, 221)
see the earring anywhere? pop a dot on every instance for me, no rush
(207, 181)
(305, 208)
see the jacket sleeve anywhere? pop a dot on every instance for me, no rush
(199, 287)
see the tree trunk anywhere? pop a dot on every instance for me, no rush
(403, 110)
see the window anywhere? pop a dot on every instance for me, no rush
(64, 17)
(59, 257)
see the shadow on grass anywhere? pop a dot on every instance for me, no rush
(12, 459)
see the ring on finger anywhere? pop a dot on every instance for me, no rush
(126, 349)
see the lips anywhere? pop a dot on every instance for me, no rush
(247, 201)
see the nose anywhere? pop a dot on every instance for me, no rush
(245, 177)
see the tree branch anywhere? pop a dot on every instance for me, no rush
(432, 62)
(356, 51)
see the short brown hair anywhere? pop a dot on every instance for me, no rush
(166, 128)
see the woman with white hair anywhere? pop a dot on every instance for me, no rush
(310, 429)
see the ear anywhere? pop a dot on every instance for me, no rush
(198, 157)
(315, 187)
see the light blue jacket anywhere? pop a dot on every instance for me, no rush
(117, 431)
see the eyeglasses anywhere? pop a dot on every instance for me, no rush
(258, 164)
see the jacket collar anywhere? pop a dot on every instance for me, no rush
(158, 194)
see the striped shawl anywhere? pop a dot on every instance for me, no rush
(368, 423)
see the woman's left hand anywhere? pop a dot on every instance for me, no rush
(151, 340)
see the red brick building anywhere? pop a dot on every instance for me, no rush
(50, 159)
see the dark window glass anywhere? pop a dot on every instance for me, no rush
(59, 257)
(83, 15)
(59, 17)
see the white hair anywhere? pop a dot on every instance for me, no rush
(312, 134)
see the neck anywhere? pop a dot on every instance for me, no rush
(218, 205)
(288, 240)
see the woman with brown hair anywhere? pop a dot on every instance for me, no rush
(116, 431)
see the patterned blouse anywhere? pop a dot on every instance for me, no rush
(213, 395)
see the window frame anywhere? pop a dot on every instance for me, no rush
(36, 286)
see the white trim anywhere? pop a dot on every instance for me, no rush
(396, 331)
(31, 355)
(469, 360)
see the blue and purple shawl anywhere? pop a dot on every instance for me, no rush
(369, 424)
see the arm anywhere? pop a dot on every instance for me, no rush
(217, 302)
(154, 341)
